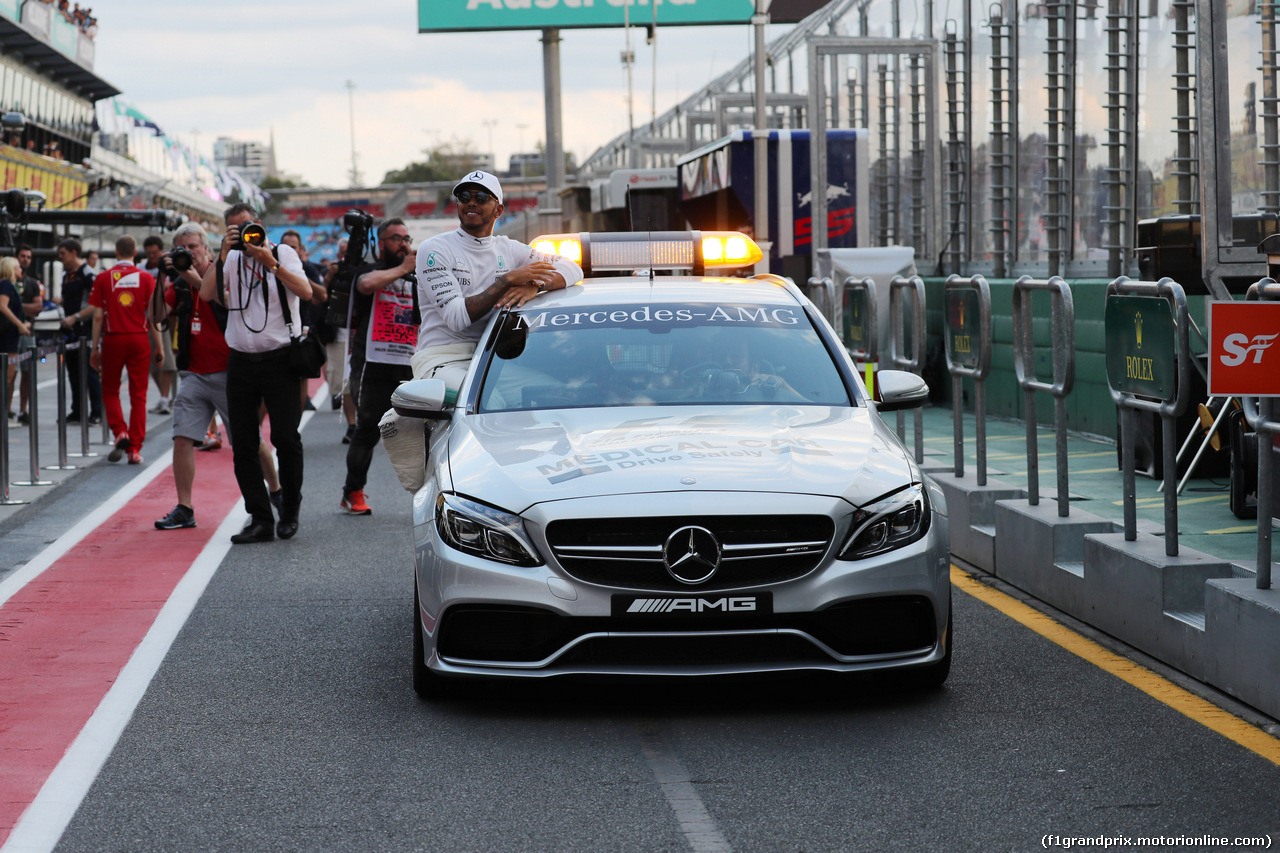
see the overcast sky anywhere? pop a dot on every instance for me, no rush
(241, 69)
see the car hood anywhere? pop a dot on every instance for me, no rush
(517, 459)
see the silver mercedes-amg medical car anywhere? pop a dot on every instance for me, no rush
(672, 475)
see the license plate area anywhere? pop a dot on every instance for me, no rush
(712, 608)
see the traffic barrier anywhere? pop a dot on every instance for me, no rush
(1064, 372)
(1139, 378)
(963, 298)
(899, 288)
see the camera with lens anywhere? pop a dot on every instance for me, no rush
(358, 224)
(252, 234)
(181, 259)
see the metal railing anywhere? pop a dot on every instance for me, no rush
(899, 288)
(963, 359)
(1168, 408)
(1260, 412)
(1062, 331)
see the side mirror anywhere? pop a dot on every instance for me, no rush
(423, 398)
(897, 390)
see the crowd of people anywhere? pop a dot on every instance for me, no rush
(216, 329)
(82, 18)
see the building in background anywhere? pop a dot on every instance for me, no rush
(252, 160)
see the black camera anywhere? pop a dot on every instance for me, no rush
(356, 218)
(357, 223)
(252, 234)
(181, 259)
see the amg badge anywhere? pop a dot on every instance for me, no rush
(710, 605)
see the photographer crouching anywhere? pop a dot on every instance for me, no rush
(201, 361)
(260, 285)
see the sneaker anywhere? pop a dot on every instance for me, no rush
(353, 503)
(95, 420)
(277, 501)
(117, 452)
(309, 406)
(179, 516)
(73, 417)
(157, 409)
(23, 419)
(351, 430)
(212, 441)
(335, 402)
(135, 457)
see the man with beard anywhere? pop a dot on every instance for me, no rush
(383, 337)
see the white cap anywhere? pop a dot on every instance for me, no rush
(484, 179)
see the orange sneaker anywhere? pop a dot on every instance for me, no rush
(353, 503)
(135, 457)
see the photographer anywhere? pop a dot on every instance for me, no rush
(258, 283)
(384, 333)
(201, 359)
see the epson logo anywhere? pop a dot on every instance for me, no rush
(692, 605)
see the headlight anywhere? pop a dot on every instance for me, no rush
(484, 531)
(891, 522)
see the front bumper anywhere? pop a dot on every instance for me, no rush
(482, 618)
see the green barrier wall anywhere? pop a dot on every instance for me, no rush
(1089, 406)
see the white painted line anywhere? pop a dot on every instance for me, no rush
(44, 821)
(695, 822)
(64, 543)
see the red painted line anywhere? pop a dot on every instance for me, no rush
(65, 637)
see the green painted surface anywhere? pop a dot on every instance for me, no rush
(467, 15)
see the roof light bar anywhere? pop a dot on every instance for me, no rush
(697, 251)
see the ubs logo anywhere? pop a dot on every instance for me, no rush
(1239, 346)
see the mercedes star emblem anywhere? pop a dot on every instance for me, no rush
(691, 554)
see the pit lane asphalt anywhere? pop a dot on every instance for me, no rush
(283, 719)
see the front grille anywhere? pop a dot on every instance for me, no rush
(627, 552)
(889, 625)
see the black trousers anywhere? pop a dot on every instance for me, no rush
(377, 381)
(265, 378)
(92, 380)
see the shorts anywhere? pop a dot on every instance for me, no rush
(338, 368)
(199, 396)
(170, 363)
(26, 342)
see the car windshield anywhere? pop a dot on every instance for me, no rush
(648, 355)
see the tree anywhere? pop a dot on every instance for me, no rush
(444, 162)
(273, 182)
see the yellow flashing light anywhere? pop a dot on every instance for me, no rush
(667, 250)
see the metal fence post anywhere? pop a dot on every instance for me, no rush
(81, 346)
(966, 359)
(858, 302)
(1140, 383)
(33, 425)
(898, 357)
(1260, 414)
(5, 500)
(1064, 371)
(63, 464)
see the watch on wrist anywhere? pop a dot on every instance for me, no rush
(542, 287)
